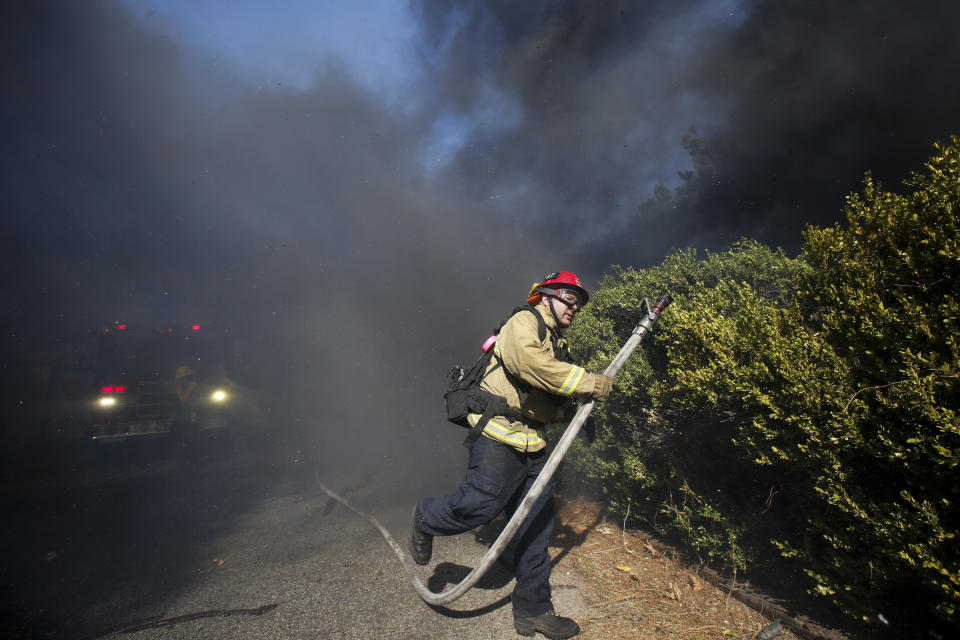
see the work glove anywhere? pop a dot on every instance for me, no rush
(602, 386)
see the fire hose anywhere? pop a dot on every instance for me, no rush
(643, 328)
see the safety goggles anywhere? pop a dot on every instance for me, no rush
(570, 297)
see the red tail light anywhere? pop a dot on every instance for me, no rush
(107, 389)
(117, 389)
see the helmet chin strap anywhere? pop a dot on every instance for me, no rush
(556, 318)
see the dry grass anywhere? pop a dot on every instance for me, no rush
(638, 589)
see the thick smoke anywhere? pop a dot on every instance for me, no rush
(300, 219)
(791, 102)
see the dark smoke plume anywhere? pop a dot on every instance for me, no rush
(791, 102)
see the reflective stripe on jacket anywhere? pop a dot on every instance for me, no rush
(529, 365)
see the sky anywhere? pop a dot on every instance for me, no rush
(363, 189)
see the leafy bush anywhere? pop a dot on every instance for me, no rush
(802, 409)
(884, 296)
(651, 451)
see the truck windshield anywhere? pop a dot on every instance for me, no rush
(157, 354)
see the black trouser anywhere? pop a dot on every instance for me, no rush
(498, 477)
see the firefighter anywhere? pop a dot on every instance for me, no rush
(185, 383)
(188, 394)
(535, 377)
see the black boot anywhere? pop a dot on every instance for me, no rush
(421, 544)
(549, 624)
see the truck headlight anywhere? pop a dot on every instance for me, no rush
(107, 401)
(219, 396)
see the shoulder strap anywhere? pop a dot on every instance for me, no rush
(541, 325)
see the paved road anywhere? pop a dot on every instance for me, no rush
(236, 544)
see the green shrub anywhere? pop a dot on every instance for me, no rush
(802, 409)
(652, 449)
(884, 296)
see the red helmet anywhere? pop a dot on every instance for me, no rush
(557, 280)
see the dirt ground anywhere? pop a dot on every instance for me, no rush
(638, 588)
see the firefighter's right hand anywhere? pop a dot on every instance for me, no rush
(602, 386)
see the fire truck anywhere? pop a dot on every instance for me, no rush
(121, 383)
(159, 382)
